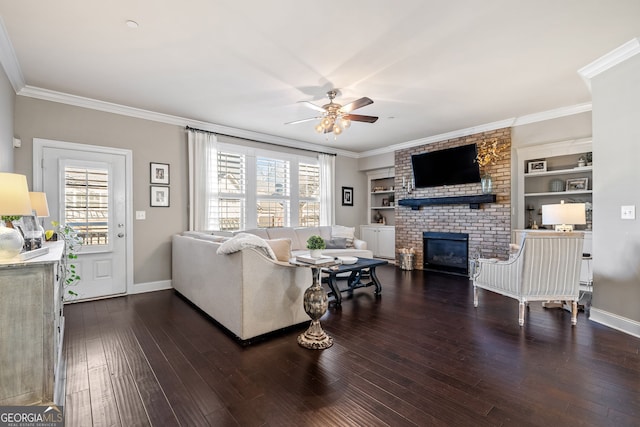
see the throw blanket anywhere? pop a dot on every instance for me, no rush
(246, 240)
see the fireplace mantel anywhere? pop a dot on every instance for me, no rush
(473, 201)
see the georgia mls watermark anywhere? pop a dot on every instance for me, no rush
(31, 416)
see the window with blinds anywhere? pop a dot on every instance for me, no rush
(249, 189)
(86, 203)
(227, 203)
(309, 191)
(273, 191)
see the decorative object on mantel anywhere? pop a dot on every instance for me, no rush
(14, 203)
(489, 152)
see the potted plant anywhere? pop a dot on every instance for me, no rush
(315, 244)
(72, 245)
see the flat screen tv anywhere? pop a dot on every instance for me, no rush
(452, 166)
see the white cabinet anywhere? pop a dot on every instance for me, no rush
(380, 239)
(31, 328)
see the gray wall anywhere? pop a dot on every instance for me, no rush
(616, 152)
(347, 175)
(149, 141)
(7, 100)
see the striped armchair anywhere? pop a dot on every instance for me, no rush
(546, 267)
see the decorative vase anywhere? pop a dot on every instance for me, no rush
(316, 253)
(487, 184)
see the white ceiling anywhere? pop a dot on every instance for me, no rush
(431, 67)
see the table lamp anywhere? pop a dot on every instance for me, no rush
(14, 201)
(40, 207)
(564, 215)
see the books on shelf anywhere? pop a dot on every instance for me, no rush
(316, 261)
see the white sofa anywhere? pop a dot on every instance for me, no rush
(246, 292)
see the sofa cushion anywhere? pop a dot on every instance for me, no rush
(336, 243)
(285, 233)
(245, 240)
(346, 232)
(281, 248)
(303, 234)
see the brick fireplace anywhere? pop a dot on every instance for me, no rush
(488, 227)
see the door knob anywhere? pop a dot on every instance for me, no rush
(120, 234)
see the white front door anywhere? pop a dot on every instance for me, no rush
(86, 189)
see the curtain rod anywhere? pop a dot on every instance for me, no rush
(261, 142)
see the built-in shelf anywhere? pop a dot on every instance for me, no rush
(473, 201)
(580, 169)
(558, 193)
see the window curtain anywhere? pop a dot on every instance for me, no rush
(327, 181)
(202, 152)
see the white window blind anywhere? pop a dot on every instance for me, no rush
(309, 194)
(273, 184)
(86, 203)
(227, 206)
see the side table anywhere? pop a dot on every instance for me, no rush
(315, 303)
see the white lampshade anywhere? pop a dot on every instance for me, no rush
(14, 194)
(14, 200)
(39, 203)
(564, 215)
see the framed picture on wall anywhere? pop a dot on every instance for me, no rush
(159, 173)
(347, 196)
(159, 197)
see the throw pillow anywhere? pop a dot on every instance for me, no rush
(346, 232)
(281, 248)
(336, 243)
(245, 240)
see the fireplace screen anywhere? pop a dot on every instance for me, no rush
(446, 252)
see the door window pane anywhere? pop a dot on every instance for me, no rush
(86, 203)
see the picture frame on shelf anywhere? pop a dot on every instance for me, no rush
(159, 197)
(537, 166)
(347, 196)
(385, 202)
(577, 184)
(159, 173)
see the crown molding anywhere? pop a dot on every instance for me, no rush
(9, 60)
(515, 121)
(609, 60)
(109, 107)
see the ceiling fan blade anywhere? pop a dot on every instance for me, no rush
(295, 122)
(358, 103)
(312, 106)
(360, 118)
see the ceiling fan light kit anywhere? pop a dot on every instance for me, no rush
(336, 118)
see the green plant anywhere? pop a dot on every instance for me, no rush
(315, 242)
(73, 242)
(10, 218)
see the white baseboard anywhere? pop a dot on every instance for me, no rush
(614, 321)
(140, 288)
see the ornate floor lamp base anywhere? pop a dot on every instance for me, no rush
(315, 338)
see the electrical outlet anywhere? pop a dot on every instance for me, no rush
(628, 212)
(141, 215)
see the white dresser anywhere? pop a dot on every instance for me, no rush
(31, 327)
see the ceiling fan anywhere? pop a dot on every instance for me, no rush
(335, 117)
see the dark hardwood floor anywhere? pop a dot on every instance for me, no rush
(420, 355)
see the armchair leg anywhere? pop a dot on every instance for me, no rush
(475, 296)
(574, 312)
(521, 317)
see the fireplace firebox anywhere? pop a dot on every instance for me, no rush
(446, 252)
